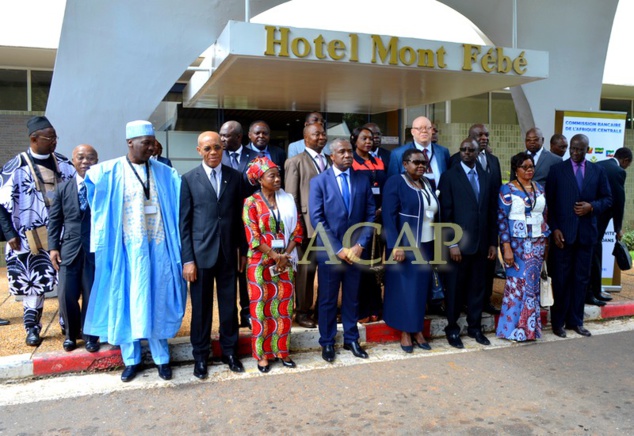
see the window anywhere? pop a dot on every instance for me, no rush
(40, 87)
(13, 90)
(470, 110)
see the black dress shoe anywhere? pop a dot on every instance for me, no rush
(245, 322)
(200, 369)
(129, 373)
(234, 363)
(92, 346)
(594, 302)
(69, 345)
(328, 353)
(289, 363)
(165, 371)
(603, 296)
(4, 321)
(559, 332)
(479, 337)
(33, 337)
(356, 349)
(582, 331)
(264, 369)
(454, 340)
(304, 320)
(489, 308)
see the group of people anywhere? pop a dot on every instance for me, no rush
(128, 235)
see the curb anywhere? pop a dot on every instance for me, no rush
(302, 339)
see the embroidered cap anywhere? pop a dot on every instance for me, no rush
(134, 129)
(38, 123)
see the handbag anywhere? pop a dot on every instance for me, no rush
(545, 288)
(622, 256)
(377, 266)
(437, 292)
(37, 239)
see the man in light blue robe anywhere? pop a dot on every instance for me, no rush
(138, 292)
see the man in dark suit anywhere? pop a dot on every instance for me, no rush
(211, 232)
(300, 169)
(467, 199)
(158, 151)
(260, 135)
(558, 144)
(238, 157)
(543, 158)
(339, 199)
(437, 155)
(70, 254)
(377, 150)
(615, 171)
(578, 192)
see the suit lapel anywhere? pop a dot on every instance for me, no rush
(201, 175)
(334, 187)
(589, 174)
(570, 174)
(226, 178)
(464, 179)
(245, 158)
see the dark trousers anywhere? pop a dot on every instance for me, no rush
(75, 281)
(596, 270)
(331, 278)
(489, 275)
(570, 274)
(464, 284)
(305, 280)
(202, 298)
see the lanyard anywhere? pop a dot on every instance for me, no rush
(315, 162)
(276, 217)
(146, 188)
(423, 190)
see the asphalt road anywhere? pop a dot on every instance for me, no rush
(573, 386)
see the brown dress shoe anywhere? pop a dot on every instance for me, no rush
(305, 321)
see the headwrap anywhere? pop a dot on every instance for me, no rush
(258, 167)
(134, 129)
(38, 123)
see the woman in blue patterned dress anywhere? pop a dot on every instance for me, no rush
(523, 235)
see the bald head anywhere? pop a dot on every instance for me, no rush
(210, 148)
(422, 131)
(231, 135)
(84, 156)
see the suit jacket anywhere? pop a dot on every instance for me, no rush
(542, 169)
(476, 217)
(384, 154)
(327, 207)
(396, 158)
(246, 156)
(164, 160)
(493, 169)
(211, 226)
(299, 170)
(616, 178)
(563, 193)
(65, 214)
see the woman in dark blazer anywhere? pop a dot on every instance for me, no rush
(409, 203)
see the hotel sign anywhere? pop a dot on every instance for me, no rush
(308, 44)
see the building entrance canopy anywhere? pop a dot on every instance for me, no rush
(271, 67)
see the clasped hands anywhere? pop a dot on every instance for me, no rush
(350, 255)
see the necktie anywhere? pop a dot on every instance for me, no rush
(214, 181)
(579, 177)
(320, 163)
(425, 153)
(83, 197)
(234, 160)
(483, 160)
(345, 191)
(474, 184)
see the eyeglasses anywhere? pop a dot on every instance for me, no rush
(418, 162)
(49, 139)
(527, 167)
(468, 150)
(423, 129)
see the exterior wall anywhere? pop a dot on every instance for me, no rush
(14, 136)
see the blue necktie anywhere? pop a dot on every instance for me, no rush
(474, 184)
(345, 191)
(83, 197)
(579, 177)
(234, 160)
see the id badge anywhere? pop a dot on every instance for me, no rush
(277, 244)
(150, 209)
(376, 190)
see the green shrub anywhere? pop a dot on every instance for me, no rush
(628, 239)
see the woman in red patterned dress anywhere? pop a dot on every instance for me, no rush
(273, 230)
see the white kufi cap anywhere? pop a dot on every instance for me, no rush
(138, 128)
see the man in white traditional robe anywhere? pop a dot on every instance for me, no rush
(138, 292)
(26, 184)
